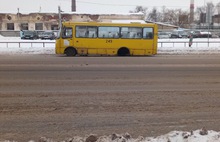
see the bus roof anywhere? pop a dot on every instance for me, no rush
(92, 23)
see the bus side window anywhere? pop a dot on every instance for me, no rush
(131, 32)
(91, 32)
(148, 33)
(108, 32)
(125, 35)
(116, 35)
(139, 35)
(81, 31)
(86, 34)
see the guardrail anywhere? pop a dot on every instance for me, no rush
(26, 43)
(41, 43)
(164, 47)
(186, 44)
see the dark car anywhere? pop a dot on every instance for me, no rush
(163, 35)
(196, 34)
(175, 34)
(202, 34)
(182, 33)
(48, 35)
(186, 34)
(29, 35)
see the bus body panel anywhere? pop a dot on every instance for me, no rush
(107, 46)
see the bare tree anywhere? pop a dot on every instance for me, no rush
(218, 7)
(154, 15)
(163, 14)
(171, 16)
(218, 11)
(176, 17)
(140, 9)
(183, 18)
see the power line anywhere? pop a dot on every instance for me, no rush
(125, 5)
(80, 1)
(96, 3)
(104, 3)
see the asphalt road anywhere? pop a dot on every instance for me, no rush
(60, 97)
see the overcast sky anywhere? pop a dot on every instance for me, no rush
(94, 6)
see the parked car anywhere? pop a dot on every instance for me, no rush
(40, 34)
(163, 35)
(29, 35)
(215, 36)
(175, 34)
(185, 34)
(201, 34)
(48, 35)
(180, 33)
(206, 35)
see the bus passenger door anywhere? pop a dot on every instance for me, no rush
(67, 36)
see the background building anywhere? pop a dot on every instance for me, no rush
(50, 21)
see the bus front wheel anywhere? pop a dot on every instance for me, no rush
(70, 52)
(123, 51)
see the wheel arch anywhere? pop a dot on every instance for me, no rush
(123, 51)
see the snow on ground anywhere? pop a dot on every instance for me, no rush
(14, 45)
(180, 46)
(175, 136)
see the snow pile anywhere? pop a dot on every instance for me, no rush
(175, 136)
(194, 136)
(27, 50)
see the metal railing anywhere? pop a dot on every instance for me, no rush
(186, 43)
(38, 43)
(41, 43)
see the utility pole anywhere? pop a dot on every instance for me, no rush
(60, 18)
(18, 15)
(209, 18)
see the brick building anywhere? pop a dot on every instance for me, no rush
(49, 21)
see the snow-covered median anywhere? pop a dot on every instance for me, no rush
(180, 46)
(175, 136)
(14, 45)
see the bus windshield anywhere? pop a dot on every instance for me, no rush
(67, 32)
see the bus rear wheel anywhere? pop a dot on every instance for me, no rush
(123, 52)
(70, 52)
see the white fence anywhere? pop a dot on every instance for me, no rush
(161, 43)
(169, 46)
(27, 47)
(25, 43)
(181, 46)
(186, 44)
